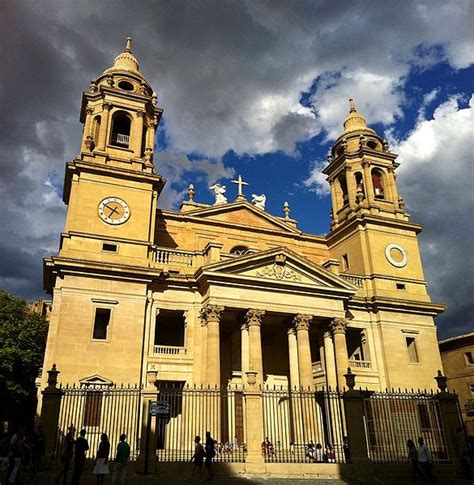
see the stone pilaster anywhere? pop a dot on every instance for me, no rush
(210, 317)
(104, 126)
(338, 329)
(137, 131)
(253, 320)
(301, 323)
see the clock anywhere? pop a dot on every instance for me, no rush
(113, 210)
(396, 255)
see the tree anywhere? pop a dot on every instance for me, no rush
(22, 343)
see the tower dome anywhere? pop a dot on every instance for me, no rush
(125, 61)
(354, 121)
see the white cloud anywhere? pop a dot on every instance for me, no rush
(436, 179)
(316, 181)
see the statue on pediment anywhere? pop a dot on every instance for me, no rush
(219, 194)
(259, 201)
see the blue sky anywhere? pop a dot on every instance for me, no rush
(257, 88)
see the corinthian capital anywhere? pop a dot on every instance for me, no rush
(254, 317)
(302, 322)
(338, 325)
(210, 313)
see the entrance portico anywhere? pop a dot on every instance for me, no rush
(264, 296)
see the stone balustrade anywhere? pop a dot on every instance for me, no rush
(360, 364)
(357, 281)
(168, 350)
(175, 257)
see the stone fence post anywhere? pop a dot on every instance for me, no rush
(354, 417)
(254, 424)
(50, 410)
(452, 425)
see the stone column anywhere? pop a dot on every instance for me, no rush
(293, 357)
(351, 188)
(338, 329)
(253, 320)
(50, 408)
(244, 349)
(87, 139)
(210, 316)
(329, 360)
(369, 187)
(301, 323)
(104, 126)
(136, 134)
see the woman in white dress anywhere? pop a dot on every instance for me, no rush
(101, 468)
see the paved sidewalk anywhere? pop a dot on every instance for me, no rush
(48, 478)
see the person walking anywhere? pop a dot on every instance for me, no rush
(413, 459)
(79, 457)
(101, 468)
(38, 440)
(198, 457)
(210, 453)
(17, 453)
(121, 460)
(426, 461)
(67, 455)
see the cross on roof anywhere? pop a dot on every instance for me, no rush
(240, 183)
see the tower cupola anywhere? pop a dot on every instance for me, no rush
(361, 172)
(120, 116)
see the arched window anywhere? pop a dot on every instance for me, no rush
(239, 250)
(96, 129)
(373, 145)
(120, 129)
(343, 185)
(377, 182)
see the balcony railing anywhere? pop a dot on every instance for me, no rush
(317, 367)
(360, 364)
(174, 257)
(354, 280)
(169, 350)
(120, 139)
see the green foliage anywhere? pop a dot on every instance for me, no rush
(22, 342)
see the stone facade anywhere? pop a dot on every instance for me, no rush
(457, 355)
(208, 293)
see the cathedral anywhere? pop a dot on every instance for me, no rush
(207, 293)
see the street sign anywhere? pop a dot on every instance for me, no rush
(159, 408)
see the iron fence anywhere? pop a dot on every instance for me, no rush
(192, 411)
(391, 418)
(112, 410)
(303, 426)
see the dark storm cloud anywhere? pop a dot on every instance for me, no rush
(229, 74)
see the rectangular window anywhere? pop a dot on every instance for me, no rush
(401, 286)
(345, 262)
(109, 248)
(169, 329)
(469, 358)
(101, 323)
(93, 408)
(411, 347)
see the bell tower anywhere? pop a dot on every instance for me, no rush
(361, 173)
(111, 188)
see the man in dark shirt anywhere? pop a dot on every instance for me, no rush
(67, 455)
(80, 457)
(210, 453)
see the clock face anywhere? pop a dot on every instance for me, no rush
(113, 210)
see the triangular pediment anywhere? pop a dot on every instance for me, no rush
(95, 381)
(279, 265)
(242, 214)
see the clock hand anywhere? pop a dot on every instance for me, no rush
(112, 210)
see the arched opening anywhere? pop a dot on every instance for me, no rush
(125, 85)
(121, 124)
(96, 130)
(144, 136)
(343, 185)
(359, 179)
(377, 182)
(372, 145)
(239, 250)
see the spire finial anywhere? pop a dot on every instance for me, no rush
(128, 46)
(352, 105)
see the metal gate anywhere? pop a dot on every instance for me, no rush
(391, 418)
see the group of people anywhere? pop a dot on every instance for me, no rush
(421, 461)
(319, 455)
(77, 448)
(22, 449)
(203, 455)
